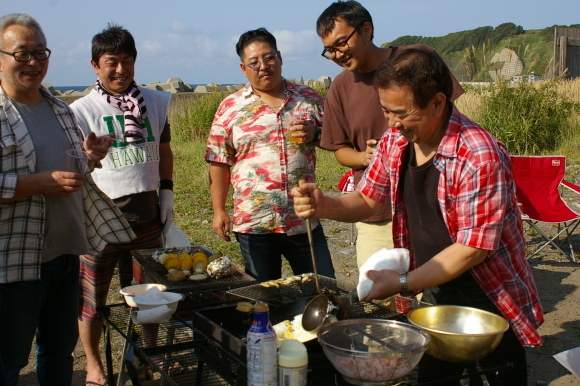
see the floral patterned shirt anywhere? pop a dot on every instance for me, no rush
(252, 138)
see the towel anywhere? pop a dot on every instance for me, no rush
(396, 259)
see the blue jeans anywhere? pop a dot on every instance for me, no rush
(263, 254)
(47, 308)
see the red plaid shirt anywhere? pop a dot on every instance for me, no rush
(476, 193)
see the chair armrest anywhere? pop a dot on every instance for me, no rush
(571, 186)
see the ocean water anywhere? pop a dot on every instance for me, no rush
(82, 88)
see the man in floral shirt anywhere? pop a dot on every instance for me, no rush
(263, 142)
(453, 196)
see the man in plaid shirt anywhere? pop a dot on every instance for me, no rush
(453, 196)
(49, 213)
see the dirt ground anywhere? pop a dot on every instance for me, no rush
(558, 282)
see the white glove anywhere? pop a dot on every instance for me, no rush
(166, 206)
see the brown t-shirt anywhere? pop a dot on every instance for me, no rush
(353, 115)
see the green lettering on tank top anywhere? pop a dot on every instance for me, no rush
(138, 154)
(115, 159)
(147, 126)
(127, 158)
(121, 119)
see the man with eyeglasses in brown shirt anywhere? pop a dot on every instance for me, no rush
(353, 119)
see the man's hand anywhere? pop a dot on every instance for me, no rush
(302, 130)
(97, 147)
(166, 208)
(221, 225)
(59, 183)
(385, 284)
(368, 153)
(308, 201)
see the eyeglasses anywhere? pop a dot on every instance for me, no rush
(25, 56)
(330, 52)
(256, 64)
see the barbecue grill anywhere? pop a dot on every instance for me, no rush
(206, 338)
(144, 265)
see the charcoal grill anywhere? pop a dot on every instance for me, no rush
(147, 266)
(202, 336)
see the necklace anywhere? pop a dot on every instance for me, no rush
(270, 106)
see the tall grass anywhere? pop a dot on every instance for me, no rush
(191, 119)
(529, 118)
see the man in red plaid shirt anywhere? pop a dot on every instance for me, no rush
(454, 206)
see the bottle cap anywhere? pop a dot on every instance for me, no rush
(292, 353)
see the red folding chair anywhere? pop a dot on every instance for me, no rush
(346, 185)
(538, 180)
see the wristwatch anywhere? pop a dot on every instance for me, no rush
(403, 284)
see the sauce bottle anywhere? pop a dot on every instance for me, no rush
(261, 349)
(292, 363)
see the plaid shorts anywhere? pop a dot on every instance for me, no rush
(96, 272)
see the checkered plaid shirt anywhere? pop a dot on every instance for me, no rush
(22, 221)
(476, 193)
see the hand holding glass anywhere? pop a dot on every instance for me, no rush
(291, 118)
(77, 161)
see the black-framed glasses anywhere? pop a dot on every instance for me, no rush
(25, 56)
(256, 64)
(330, 52)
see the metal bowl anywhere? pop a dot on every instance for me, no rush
(373, 351)
(459, 334)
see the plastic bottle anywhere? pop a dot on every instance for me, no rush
(261, 349)
(292, 363)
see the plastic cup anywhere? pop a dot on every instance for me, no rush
(77, 161)
(295, 116)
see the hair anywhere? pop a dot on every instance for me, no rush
(113, 40)
(19, 19)
(257, 35)
(352, 12)
(424, 71)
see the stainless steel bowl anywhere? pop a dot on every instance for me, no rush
(459, 334)
(373, 351)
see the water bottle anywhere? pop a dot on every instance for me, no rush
(261, 349)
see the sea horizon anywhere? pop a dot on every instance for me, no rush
(83, 88)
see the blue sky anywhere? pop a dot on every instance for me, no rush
(195, 40)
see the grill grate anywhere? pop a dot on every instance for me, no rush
(286, 293)
(157, 272)
(181, 355)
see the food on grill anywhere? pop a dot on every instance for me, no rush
(293, 330)
(220, 267)
(287, 280)
(212, 258)
(186, 263)
(245, 307)
(171, 261)
(198, 276)
(176, 275)
(200, 262)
